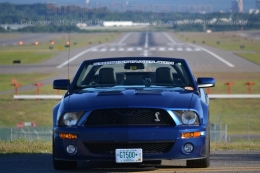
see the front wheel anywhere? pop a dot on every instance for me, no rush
(202, 163)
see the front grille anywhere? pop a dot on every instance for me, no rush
(148, 148)
(129, 116)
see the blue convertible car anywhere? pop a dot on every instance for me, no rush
(132, 110)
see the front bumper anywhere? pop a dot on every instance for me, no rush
(129, 135)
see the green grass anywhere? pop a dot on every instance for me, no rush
(239, 145)
(26, 57)
(39, 111)
(226, 41)
(24, 79)
(232, 112)
(239, 79)
(236, 113)
(31, 53)
(254, 57)
(22, 146)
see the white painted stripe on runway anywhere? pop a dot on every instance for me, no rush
(139, 48)
(188, 49)
(162, 49)
(146, 41)
(152, 48)
(197, 49)
(78, 55)
(130, 49)
(179, 49)
(124, 38)
(145, 53)
(169, 38)
(112, 49)
(121, 49)
(103, 50)
(215, 55)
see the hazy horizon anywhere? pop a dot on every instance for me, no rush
(218, 4)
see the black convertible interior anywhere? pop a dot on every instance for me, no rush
(107, 75)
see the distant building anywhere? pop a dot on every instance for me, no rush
(12, 26)
(257, 4)
(237, 6)
(117, 23)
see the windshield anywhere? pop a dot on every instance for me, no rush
(133, 73)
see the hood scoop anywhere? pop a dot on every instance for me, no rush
(148, 92)
(104, 93)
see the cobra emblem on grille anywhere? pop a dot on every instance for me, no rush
(157, 117)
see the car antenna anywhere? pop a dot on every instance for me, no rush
(69, 57)
(69, 71)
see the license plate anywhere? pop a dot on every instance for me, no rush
(129, 155)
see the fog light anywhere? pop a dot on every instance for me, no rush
(71, 149)
(188, 148)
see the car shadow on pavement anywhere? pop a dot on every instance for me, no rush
(42, 163)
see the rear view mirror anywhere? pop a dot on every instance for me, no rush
(134, 66)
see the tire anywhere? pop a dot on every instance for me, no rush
(60, 164)
(202, 163)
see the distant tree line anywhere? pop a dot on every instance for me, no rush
(49, 18)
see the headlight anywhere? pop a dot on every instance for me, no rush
(70, 118)
(188, 117)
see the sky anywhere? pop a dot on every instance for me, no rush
(218, 4)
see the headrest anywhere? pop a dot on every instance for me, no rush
(163, 75)
(107, 76)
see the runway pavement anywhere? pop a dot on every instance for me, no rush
(201, 58)
(221, 162)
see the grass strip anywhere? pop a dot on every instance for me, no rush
(254, 57)
(30, 53)
(24, 79)
(22, 146)
(240, 145)
(25, 57)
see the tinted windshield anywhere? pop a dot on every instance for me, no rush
(146, 73)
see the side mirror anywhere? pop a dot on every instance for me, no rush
(61, 84)
(205, 82)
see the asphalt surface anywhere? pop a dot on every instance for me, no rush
(201, 58)
(221, 161)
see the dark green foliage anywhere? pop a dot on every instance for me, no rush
(64, 18)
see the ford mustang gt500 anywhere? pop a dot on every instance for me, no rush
(132, 110)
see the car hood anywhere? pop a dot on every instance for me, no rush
(79, 101)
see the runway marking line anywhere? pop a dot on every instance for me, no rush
(214, 55)
(88, 50)
(146, 40)
(205, 50)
